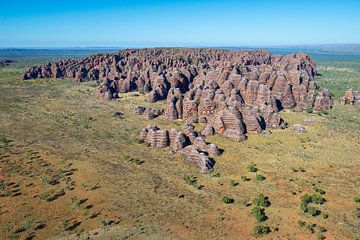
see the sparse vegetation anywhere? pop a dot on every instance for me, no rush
(307, 199)
(261, 201)
(259, 214)
(319, 190)
(44, 129)
(251, 168)
(261, 230)
(134, 161)
(312, 211)
(260, 177)
(227, 200)
(233, 183)
(245, 178)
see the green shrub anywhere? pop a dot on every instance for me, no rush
(356, 199)
(216, 175)
(261, 230)
(190, 180)
(313, 211)
(316, 198)
(129, 159)
(245, 178)
(321, 229)
(251, 168)
(310, 227)
(261, 201)
(106, 222)
(301, 223)
(259, 214)
(233, 183)
(137, 161)
(260, 177)
(324, 215)
(319, 190)
(306, 198)
(309, 110)
(118, 115)
(324, 112)
(357, 214)
(303, 207)
(227, 200)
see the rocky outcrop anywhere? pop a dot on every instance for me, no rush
(187, 141)
(298, 128)
(193, 155)
(257, 75)
(148, 112)
(323, 101)
(228, 123)
(155, 137)
(233, 92)
(351, 97)
(208, 131)
(174, 106)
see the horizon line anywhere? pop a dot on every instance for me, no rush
(183, 46)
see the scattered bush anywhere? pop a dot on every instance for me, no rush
(227, 200)
(319, 190)
(320, 237)
(356, 199)
(262, 201)
(324, 216)
(107, 222)
(245, 178)
(313, 211)
(118, 115)
(301, 223)
(233, 183)
(306, 199)
(259, 214)
(190, 180)
(303, 207)
(321, 229)
(260, 177)
(317, 199)
(261, 230)
(251, 168)
(216, 175)
(324, 112)
(357, 214)
(310, 227)
(135, 161)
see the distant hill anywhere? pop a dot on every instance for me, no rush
(353, 49)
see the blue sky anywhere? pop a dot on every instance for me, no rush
(101, 23)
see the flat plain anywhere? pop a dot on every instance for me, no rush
(70, 167)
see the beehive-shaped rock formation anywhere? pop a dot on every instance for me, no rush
(231, 91)
(190, 143)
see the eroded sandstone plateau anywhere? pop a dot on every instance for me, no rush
(231, 92)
